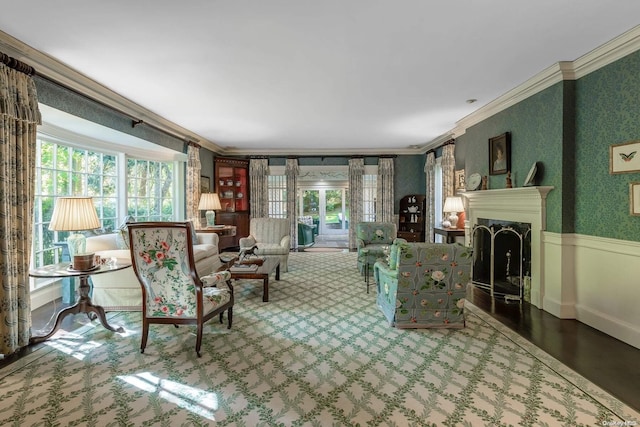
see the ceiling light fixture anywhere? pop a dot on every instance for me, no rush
(471, 100)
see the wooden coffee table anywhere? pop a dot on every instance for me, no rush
(263, 272)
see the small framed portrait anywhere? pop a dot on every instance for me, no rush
(624, 158)
(205, 184)
(500, 154)
(459, 180)
(634, 198)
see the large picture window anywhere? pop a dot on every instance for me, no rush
(68, 171)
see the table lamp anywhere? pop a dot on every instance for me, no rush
(210, 202)
(453, 205)
(74, 214)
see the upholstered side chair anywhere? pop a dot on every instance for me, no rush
(271, 236)
(163, 261)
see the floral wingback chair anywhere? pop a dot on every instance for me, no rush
(172, 292)
(371, 240)
(424, 285)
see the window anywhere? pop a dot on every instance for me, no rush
(149, 190)
(277, 196)
(369, 189)
(67, 171)
(64, 169)
(438, 214)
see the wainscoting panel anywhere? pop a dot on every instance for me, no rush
(600, 277)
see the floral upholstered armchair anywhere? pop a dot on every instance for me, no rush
(424, 285)
(163, 261)
(372, 239)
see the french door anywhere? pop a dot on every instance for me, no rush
(329, 207)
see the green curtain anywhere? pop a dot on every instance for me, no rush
(19, 117)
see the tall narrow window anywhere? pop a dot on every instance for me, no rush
(277, 196)
(369, 198)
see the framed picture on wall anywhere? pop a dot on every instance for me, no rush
(634, 198)
(459, 181)
(624, 158)
(205, 184)
(499, 154)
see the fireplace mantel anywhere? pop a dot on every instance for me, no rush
(522, 204)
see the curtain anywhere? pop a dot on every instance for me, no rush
(19, 118)
(258, 179)
(356, 198)
(193, 183)
(430, 172)
(384, 191)
(448, 171)
(292, 171)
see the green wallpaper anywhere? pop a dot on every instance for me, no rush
(608, 112)
(536, 127)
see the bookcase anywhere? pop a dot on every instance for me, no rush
(232, 186)
(411, 218)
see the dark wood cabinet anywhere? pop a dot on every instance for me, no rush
(411, 225)
(232, 186)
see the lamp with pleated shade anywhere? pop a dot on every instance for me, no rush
(453, 205)
(74, 214)
(210, 202)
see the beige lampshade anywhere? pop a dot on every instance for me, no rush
(453, 204)
(209, 201)
(74, 214)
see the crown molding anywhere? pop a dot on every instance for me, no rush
(56, 71)
(598, 58)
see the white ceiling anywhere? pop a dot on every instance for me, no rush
(316, 76)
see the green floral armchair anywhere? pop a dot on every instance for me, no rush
(172, 292)
(371, 240)
(424, 285)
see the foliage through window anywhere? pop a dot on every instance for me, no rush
(68, 171)
(149, 190)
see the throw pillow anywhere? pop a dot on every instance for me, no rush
(122, 239)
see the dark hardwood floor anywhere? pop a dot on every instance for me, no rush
(603, 360)
(606, 361)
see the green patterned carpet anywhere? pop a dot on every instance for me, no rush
(318, 354)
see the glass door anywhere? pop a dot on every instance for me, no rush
(329, 208)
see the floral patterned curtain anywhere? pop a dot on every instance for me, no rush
(384, 193)
(448, 171)
(292, 171)
(356, 198)
(258, 180)
(430, 172)
(19, 118)
(193, 183)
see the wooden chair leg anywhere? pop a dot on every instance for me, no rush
(229, 317)
(199, 339)
(145, 333)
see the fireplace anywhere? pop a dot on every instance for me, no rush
(502, 258)
(524, 205)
